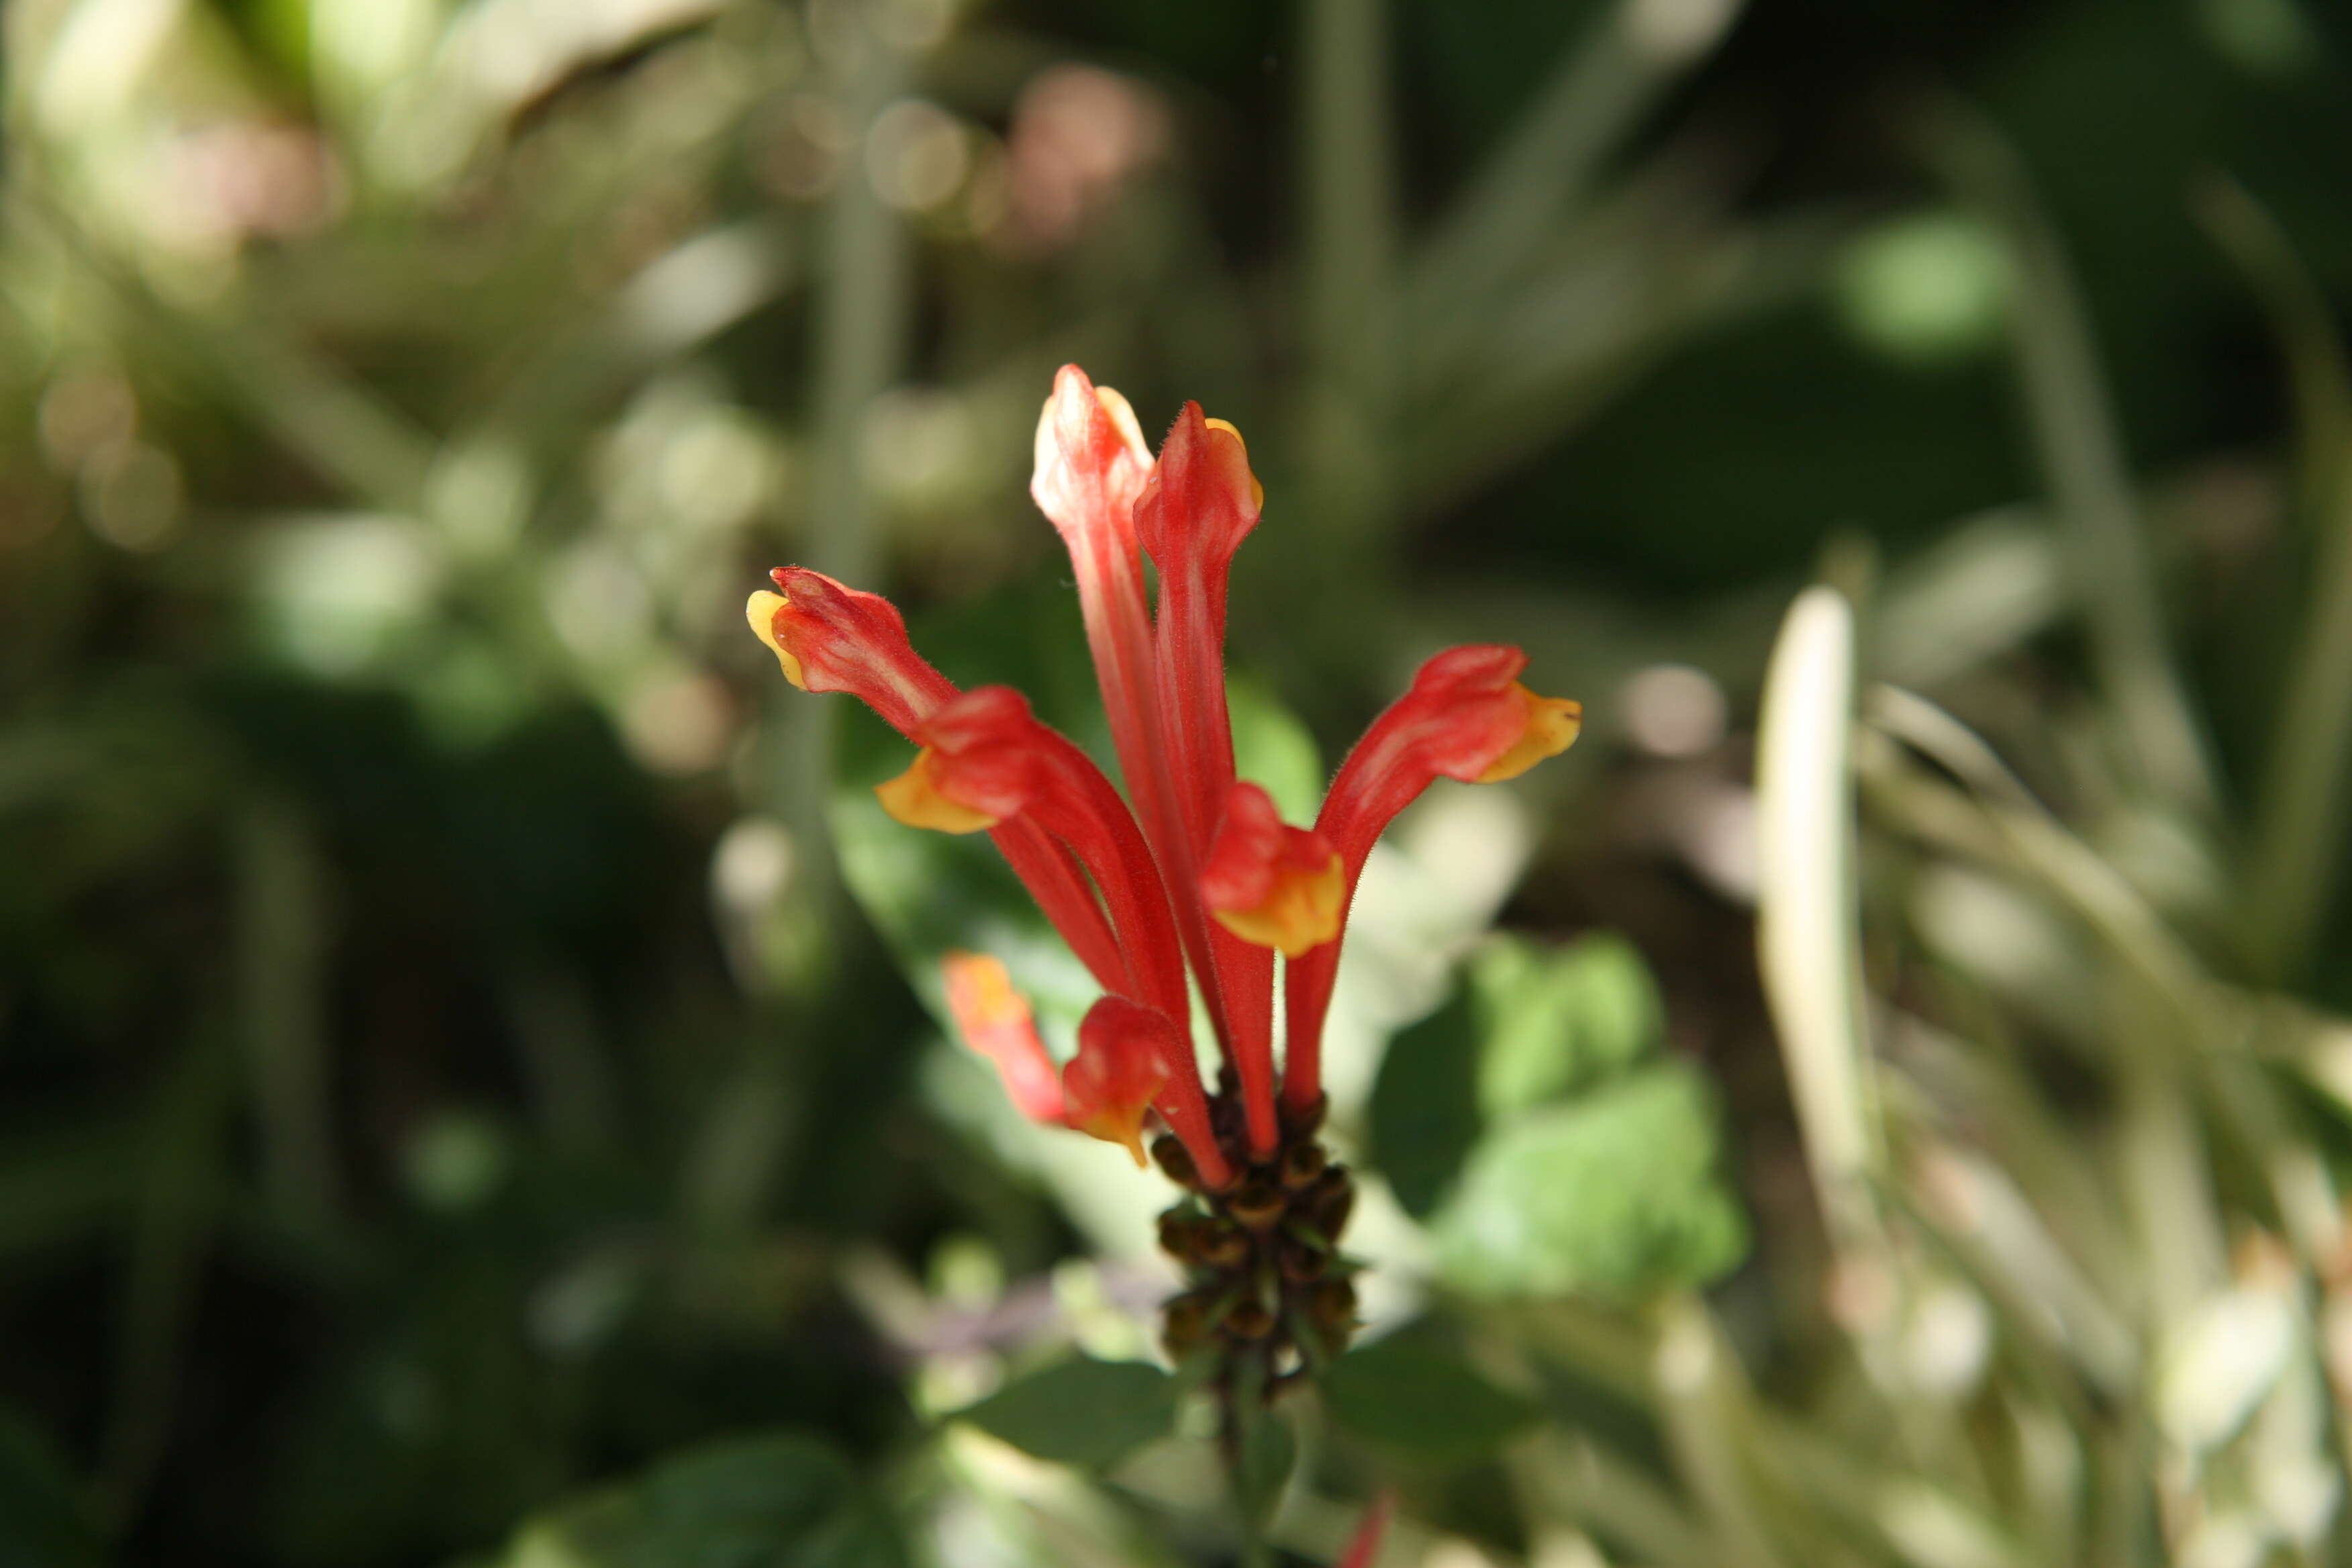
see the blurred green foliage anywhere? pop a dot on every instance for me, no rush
(1613, 1194)
(1520, 1120)
(753, 1501)
(467, 1090)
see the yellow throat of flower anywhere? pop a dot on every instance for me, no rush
(760, 611)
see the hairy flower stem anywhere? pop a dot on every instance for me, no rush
(1270, 1299)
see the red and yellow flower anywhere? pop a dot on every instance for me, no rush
(1191, 879)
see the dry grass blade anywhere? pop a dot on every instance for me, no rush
(1807, 936)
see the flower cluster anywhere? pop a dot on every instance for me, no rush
(1192, 880)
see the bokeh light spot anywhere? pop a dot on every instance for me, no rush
(1926, 290)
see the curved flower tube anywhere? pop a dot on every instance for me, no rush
(986, 760)
(1096, 481)
(1465, 717)
(832, 639)
(995, 1021)
(1199, 503)
(1128, 1056)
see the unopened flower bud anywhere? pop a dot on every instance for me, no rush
(1306, 1121)
(1298, 1262)
(1183, 1235)
(1257, 1204)
(1184, 1326)
(1326, 1205)
(1225, 1245)
(1249, 1321)
(1301, 1163)
(1176, 1161)
(1332, 1308)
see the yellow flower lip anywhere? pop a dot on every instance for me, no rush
(760, 611)
(1299, 912)
(1120, 1125)
(1551, 727)
(1257, 490)
(1120, 1068)
(915, 798)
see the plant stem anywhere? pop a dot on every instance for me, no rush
(861, 304)
(2299, 826)
(861, 309)
(282, 962)
(1347, 304)
(182, 1188)
(1604, 82)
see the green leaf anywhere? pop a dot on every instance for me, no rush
(1408, 1395)
(1272, 747)
(1425, 1106)
(1079, 1411)
(1269, 1452)
(861, 1536)
(1529, 1025)
(1615, 1193)
(751, 1503)
(1554, 1021)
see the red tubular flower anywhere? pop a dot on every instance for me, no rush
(1091, 466)
(985, 760)
(994, 1021)
(1123, 1065)
(1204, 872)
(1200, 503)
(1271, 884)
(832, 639)
(1091, 469)
(1364, 1546)
(1466, 717)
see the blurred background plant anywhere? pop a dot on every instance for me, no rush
(467, 1090)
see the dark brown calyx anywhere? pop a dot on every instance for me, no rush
(1269, 1299)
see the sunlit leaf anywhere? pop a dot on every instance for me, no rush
(1525, 1027)
(1554, 1022)
(1617, 1192)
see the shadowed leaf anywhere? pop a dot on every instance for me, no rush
(1421, 1402)
(1079, 1411)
